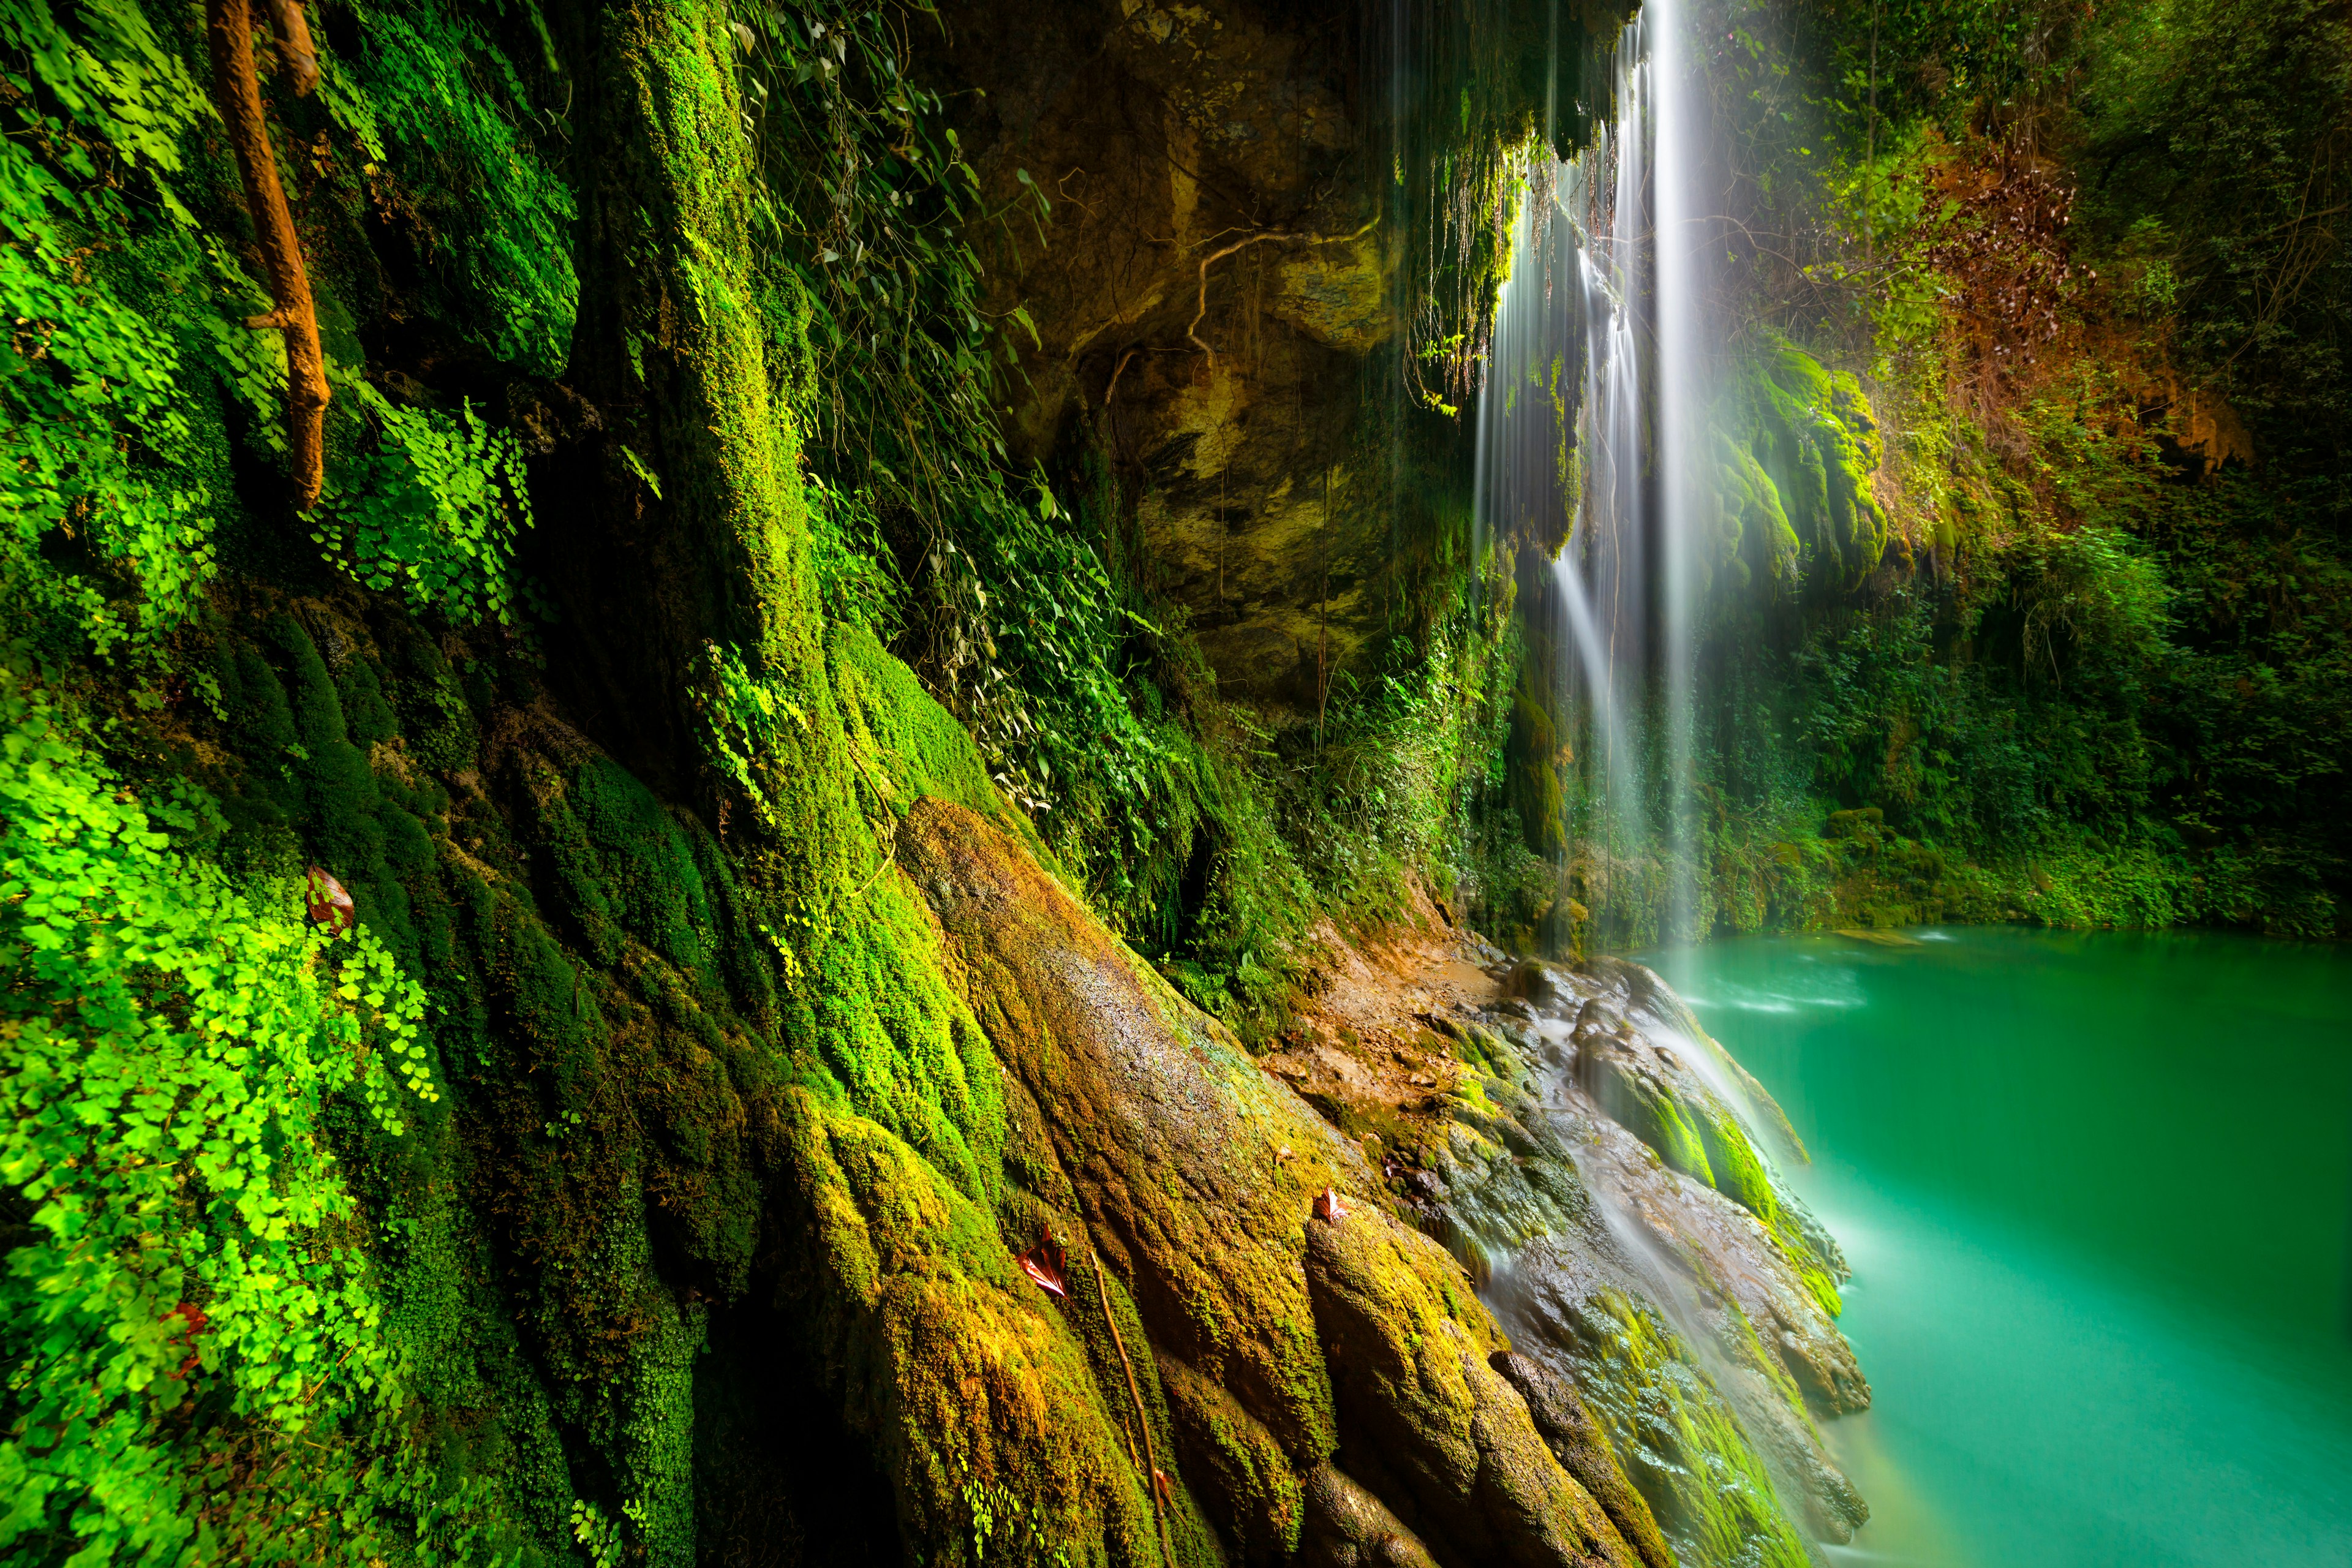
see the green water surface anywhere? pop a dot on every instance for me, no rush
(2097, 1194)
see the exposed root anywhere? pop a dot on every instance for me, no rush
(285, 19)
(237, 89)
(1192, 332)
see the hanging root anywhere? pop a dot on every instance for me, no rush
(236, 90)
(293, 32)
(1192, 332)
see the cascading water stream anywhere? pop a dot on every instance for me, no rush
(1596, 425)
(1600, 388)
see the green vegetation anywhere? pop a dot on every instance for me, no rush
(1677, 1437)
(2034, 446)
(649, 1158)
(427, 1223)
(188, 1291)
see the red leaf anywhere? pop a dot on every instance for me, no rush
(1167, 1487)
(1328, 1207)
(330, 906)
(192, 1316)
(1044, 1264)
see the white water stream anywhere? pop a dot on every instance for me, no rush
(1598, 410)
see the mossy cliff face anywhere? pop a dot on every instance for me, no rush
(758, 1039)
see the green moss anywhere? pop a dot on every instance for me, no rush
(702, 316)
(1651, 1110)
(907, 745)
(899, 1044)
(1798, 504)
(1695, 1134)
(367, 716)
(625, 865)
(656, 1447)
(994, 1432)
(483, 1469)
(1262, 1493)
(1679, 1441)
(1535, 753)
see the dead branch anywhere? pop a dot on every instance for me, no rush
(237, 89)
(1143, 1421)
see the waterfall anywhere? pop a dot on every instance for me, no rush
(1598, 414)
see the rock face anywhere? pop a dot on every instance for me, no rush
(1280, 1310)
(1222, 294)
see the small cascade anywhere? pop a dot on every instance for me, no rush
(1636, 1239)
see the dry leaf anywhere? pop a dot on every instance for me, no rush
(1328, 1207)
(330, 906)
(1167, 1488)
(1044, 1263)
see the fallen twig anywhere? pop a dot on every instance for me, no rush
(1134, 1392)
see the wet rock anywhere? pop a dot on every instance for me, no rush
(1450, 1442)
(1583, 1449)
(1648, 1083)
(1666, 1417)
(1348, 1527)
(1729, 1251)
(1535, 983)
(1247, 1480)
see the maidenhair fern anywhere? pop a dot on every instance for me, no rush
(96, 447)
(185, 1292)
(742, 716)
(125, 318)
(433, 511)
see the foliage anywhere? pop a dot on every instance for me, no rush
(127, 348)
(188, 1281)
(1019, 600)
(1023, 631)
(104, 476)
(433, 511)
(2086, 265)
(441, 122)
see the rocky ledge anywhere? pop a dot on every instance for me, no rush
(1483, 1265)
(1609, 1179)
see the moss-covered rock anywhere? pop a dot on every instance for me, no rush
(1583, 1447)
(1655, 1094)
(1196, 1177)
(1678, 1438)
(1796, 452)
(1348, 1527)
(989, 1424)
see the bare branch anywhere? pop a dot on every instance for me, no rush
(237, 89)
